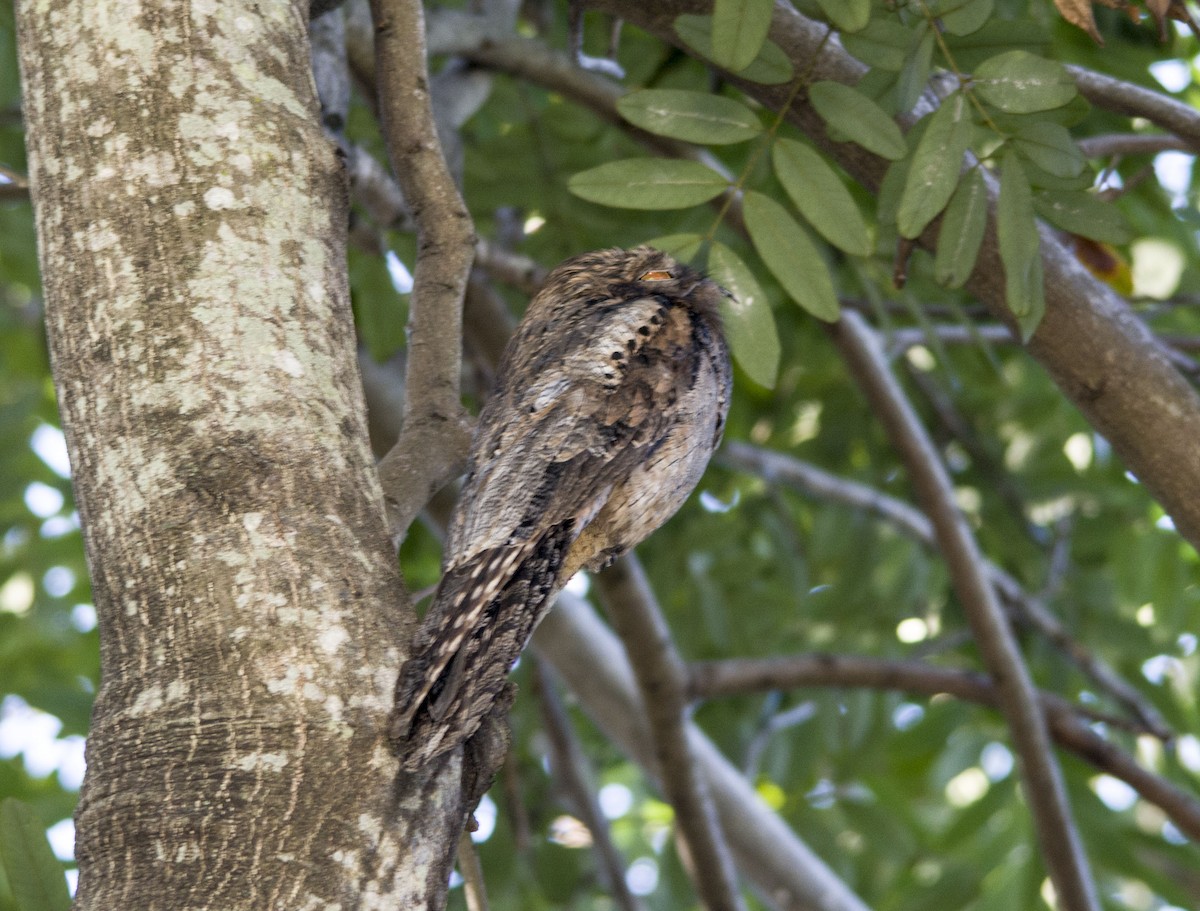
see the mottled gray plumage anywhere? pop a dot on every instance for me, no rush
(610, 398)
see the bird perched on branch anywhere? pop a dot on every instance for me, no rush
(610, 398)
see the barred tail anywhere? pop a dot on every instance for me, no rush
(481, 620)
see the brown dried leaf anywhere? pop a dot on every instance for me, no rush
(1176, 9)
(1079, 13)
(1159, 9)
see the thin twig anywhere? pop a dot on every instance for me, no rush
(433, 445)
(532, 61)
(778, 468)
(1131, 100)
(662, 678)
(590, 659)
(521, 272)
(738, 676)
(472, 874)
(961, 429)
(1121, 144)
(774, 724)
(373, 188)
(1069, 724)
(900, 340)
(571, 767)
(1061, 848)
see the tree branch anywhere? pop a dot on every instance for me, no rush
(1061, 848)
(571, 768)
(1097, 351)
(662, 679)
(1134, 101)
(433, 445)
(726, 678)
(736, 676)
(1121, 144)
(778, 468)
(592, 662)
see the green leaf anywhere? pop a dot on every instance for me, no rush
(648, 183)
(962, 231)
(914, 76)
(962, 17)
(847, 15)
(1050, 147)
(890, 191)
(691, 116)
(858, 118)
(1070, 114)
(937, 163)
(790, 255)
(995, 37)
(883, 43)
(1020, 246)
(1083, 213)
(1021, 83)
(683, 247)
(749, 324)
(771, 67)
(35, 875)
(821, 196)
(739, 30)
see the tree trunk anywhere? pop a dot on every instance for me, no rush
(191, 222)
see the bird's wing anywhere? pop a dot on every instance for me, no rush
(569, 424)
(573, 420)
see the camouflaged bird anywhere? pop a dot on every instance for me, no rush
(610, 398)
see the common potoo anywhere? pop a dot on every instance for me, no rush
(610, 398)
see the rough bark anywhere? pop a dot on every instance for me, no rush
(191, 221)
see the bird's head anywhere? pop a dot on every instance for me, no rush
(619, 273)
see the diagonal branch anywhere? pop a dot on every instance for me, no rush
(779, 468)
(592, 662)
(1061, 848)
(1130, 100)
(433, 445)
(662, 678)
(1068, 724)
(736, 676)
(571, 768)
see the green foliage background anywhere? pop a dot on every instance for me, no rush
(872, 781)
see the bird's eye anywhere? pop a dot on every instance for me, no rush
(655, 275)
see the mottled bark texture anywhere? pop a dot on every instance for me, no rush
(191, 220)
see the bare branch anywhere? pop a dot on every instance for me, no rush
(590, 659)
(1121, 144)
(521, 272)
(662, 678)
(433, 445)
(778, 468)
(1069, 729)
(738, 676)
(1061, 848)
(1134, 101)
(474, 887)
(571, 767)
(899, 340)
(373, 188)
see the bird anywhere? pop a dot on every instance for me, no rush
(610, 398)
